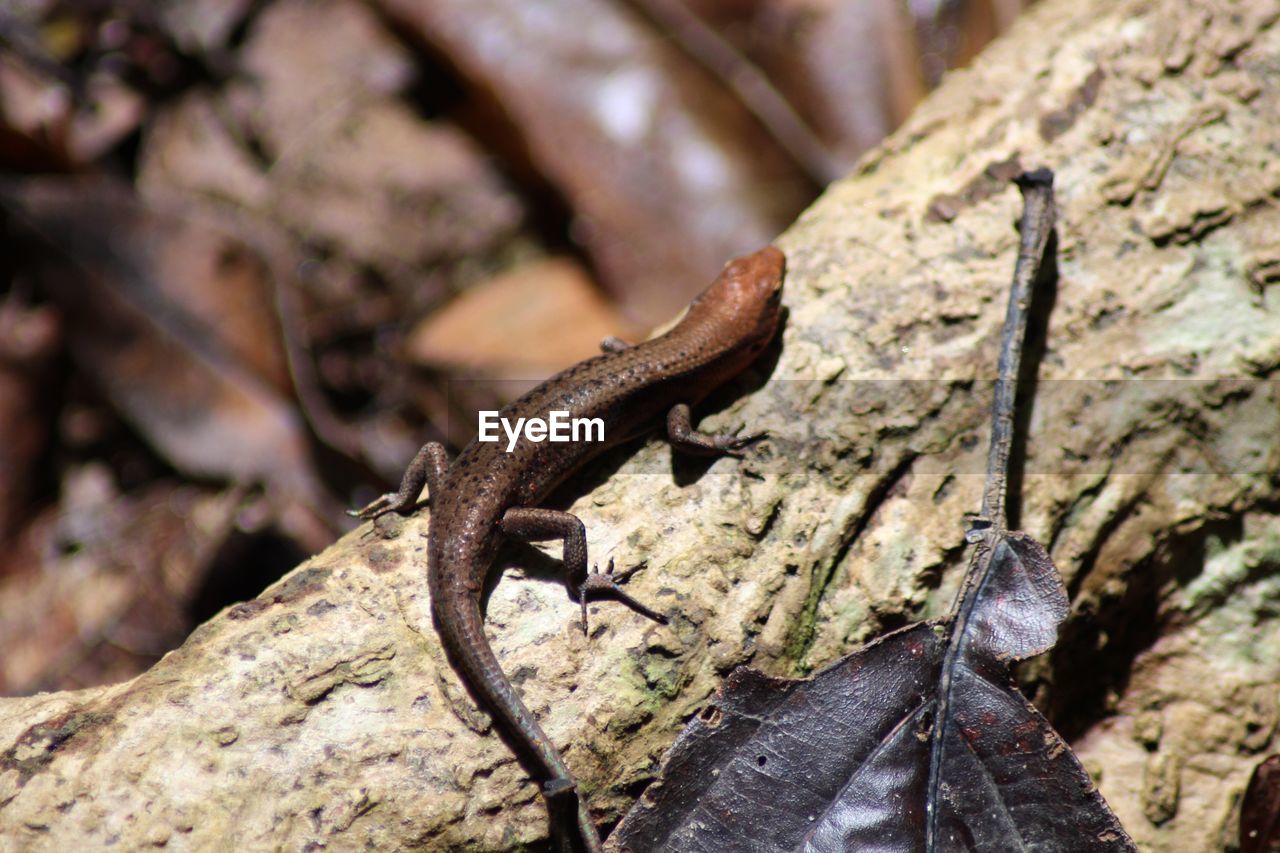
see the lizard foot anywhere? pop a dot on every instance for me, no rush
(734, 445)
(608, 582)
(376, 507)
(402, 502)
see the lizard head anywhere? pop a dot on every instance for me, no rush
(746, 296)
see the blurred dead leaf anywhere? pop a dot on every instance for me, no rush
(320, 143)
(352, 166)
(666, 173)
(48, 118)
(849, 67)
(174, 320)
(33, 117)
(29, 337)
(536, 319)
(105, 581)
(190, 150)
(201, 25)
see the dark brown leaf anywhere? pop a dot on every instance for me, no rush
(1260, 811)
(926, 719)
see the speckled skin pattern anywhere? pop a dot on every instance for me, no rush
(488, 492)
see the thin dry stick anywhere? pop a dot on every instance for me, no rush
(1037, 224)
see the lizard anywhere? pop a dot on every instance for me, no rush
(490, 492)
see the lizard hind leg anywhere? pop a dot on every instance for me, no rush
(428, 468)
(608, 582)
(533, 524)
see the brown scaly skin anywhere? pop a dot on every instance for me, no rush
(489, 493)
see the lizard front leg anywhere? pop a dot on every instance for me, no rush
(532, 524)
(682, 436)
(428, 468)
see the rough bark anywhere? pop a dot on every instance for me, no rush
(323, 712)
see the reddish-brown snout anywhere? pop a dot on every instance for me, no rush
(748, 293)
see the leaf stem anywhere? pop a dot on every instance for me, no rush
(1036, 226)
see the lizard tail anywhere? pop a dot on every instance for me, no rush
(462, 633)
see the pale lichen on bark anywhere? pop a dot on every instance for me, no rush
(323, 711)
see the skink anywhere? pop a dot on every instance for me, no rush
(491, 492)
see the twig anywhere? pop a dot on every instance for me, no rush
(1038, 214)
